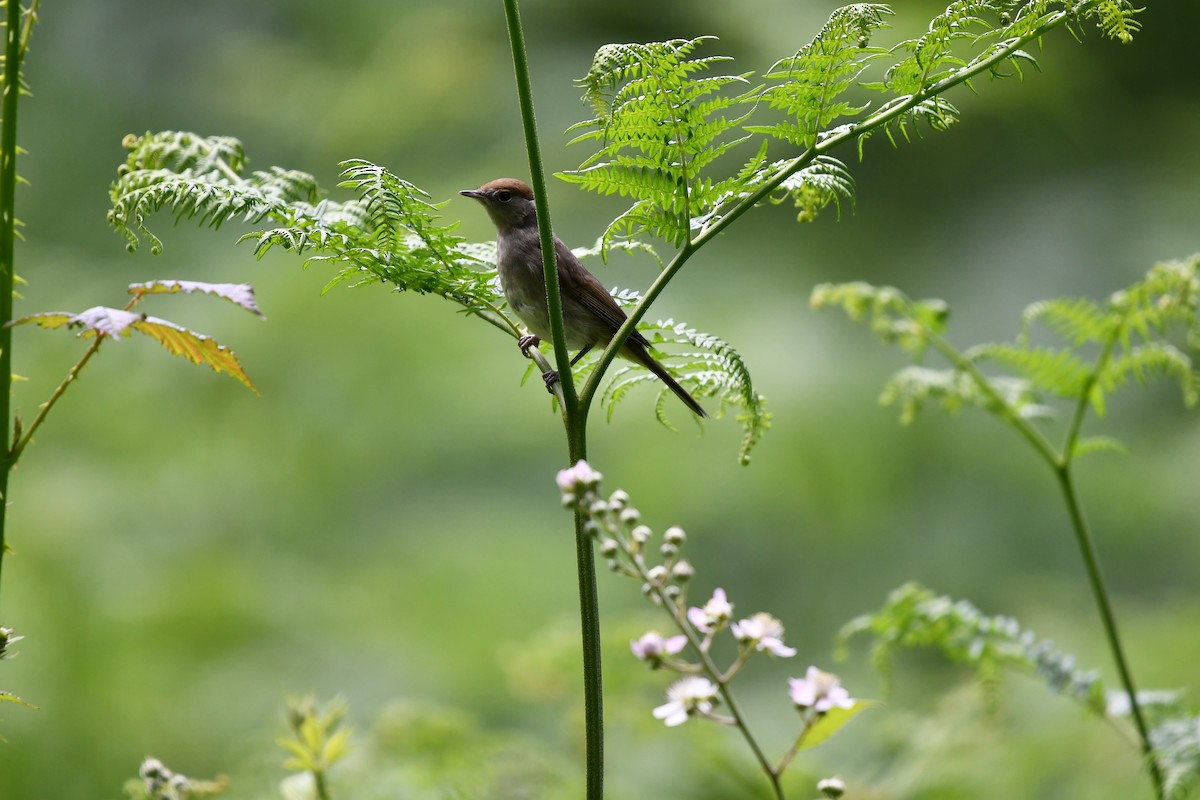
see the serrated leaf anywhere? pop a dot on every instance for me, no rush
(9, 697)
(1098, 444)
(195, 347)
(240, 294)
(45, 319)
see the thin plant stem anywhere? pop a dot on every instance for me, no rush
(719, 677)
(44, 410)
(1060, 463)
(16, 41)
(574, 418)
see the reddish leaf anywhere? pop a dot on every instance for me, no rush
(241, 294)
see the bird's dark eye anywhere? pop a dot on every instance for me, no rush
(504, 195)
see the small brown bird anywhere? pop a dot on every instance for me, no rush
(590, 314)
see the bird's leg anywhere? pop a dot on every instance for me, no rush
(527, 341)
(550, 376)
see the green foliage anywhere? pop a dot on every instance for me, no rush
(1105, 347)
(809, 87)
(705, 364)
(317, 742)
(389, 232)
(663, 120)
(1177, 747)
(660, 122)
(915, 617)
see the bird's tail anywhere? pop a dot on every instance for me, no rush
(635, 351)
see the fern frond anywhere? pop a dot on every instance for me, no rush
(1177, 747)
(1076, 319)
(915, 617)
(893, 317)
(911, 387)
(808, 86)
(1058, 371)
(1115, 18)
(660, 123)
(704, 364)
(198, 178)
(1153, 359)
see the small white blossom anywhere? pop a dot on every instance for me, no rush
(715, 614)
(764, 633)
(685, 697)
(820, 691)
(652, 647)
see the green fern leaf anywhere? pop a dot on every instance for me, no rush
(660, 123)
(915, 617)
(807, 86)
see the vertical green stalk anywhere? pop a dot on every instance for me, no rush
(574, 417)
(8, 193)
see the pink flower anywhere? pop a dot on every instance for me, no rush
(653, 648)
(764, 633)
(820, 691)
(686, 697)
(580, 475)
(715, 614)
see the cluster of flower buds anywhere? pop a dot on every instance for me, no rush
(161, 783)
(7, 637)
(626, 544)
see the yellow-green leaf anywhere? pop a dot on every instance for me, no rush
(831, 722)
(195, 347)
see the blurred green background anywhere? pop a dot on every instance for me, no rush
(382, 522)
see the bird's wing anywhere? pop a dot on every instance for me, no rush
(589, 291)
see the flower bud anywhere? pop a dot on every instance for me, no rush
(668, 550)
(672, 592)
(630, 516)
(568, 500)
(592, 528)
(832, 788)
(609, 548)
(674, 535)
(598, 508)
(640, 534)
(683, 571)
(619, 499)
(657, 574)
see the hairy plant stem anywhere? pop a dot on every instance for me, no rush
(575, 415)
(15, 43)
(1060, 463)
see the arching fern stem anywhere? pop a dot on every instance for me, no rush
(574, 420)
(829, 142)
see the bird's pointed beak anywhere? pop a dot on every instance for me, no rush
(476, 193)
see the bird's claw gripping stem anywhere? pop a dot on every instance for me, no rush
(527, 341)
(550, 376)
